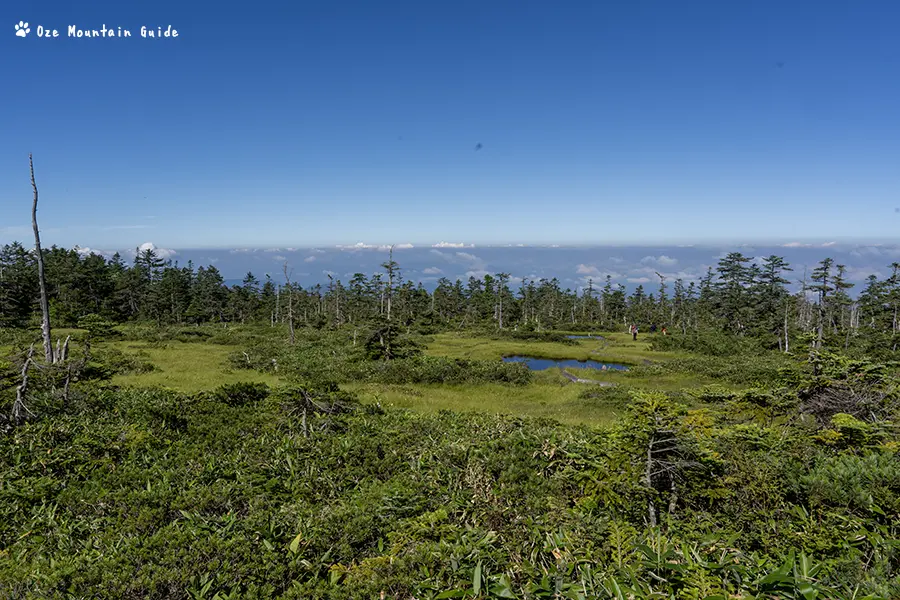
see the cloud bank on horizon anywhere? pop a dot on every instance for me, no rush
(574, 267)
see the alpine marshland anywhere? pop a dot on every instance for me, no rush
(178, 426)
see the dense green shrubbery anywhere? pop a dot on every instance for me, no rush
(709, 343)
(149, 333)
(153, 494)
(116, 362)
(97, 327)
(766, 369)
(241, 394)
(432, 369)
(300, 492)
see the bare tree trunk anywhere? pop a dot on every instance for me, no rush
(19, 406)
(821, 328)
(307, 401)
(786, 345)
(45, 303)
(277, 304)
(287, 278)
(390, 290)
(65, 399)
(648, 481)
(62, 354)
(673, 497)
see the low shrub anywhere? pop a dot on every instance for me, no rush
(241, 394)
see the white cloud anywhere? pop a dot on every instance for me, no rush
(332, 273)
(272, 250)
(590, 272)
(163, 253)
(88, 251)
(316, 251)
(472, 262)
(469, 260)
(451, 245)
(279, 258)
(382, 247)
(663, 261)
(802, 245)
(687, 274)
(876, 250)
(309, 259)
(638, 280)
(477, 274)
(432, 271)
(242, 250)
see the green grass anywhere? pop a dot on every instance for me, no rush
(202, 365)
(186, 367)
(550, 396)
(617, 348)
(664, 382)
(193, 366)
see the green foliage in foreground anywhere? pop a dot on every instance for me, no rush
(234, 494)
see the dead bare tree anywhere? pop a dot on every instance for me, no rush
(502, 278)
(305, 403)
(20, 409)
(287, 278)
(45, 303)
(391, 267)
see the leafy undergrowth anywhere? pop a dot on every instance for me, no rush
(255, 493)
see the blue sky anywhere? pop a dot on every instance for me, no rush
(304, 124)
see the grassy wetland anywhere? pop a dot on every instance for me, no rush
(220, 445)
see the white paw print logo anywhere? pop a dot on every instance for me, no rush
(22, 29)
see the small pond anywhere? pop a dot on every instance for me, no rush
(541, 364)
(585, 337)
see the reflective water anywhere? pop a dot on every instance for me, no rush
(541, 364)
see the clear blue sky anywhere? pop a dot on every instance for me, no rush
(313, 123)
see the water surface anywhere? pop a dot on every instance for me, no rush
(542, 364)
